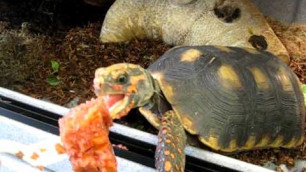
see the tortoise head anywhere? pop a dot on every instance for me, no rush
(123, 87)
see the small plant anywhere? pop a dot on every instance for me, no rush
(304, 92)
(52, 78)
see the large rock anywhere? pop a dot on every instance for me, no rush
(191, 22)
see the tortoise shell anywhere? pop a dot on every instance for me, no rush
(233, 98)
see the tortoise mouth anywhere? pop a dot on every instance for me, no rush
(118, 105)
(113, 100)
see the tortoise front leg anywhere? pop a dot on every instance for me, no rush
(169, 154)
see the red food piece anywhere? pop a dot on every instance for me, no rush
(84, 132)
(41, 168)
(120, 146)
(19, 155)
(34, 156)
(59, 148)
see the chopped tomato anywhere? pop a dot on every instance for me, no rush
(41, 168)
(59, 149)
(19, 155)
(34, 156)
(84, 132)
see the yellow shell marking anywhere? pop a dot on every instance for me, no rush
(250, 143)
(291, 144)
(251, 50)
(229, 77)
(232, 146)
(212, 142)
(191, 55)
(284, 79)
(260, 78)
(157, 75)
(300, 141)
(188, 124)
(277, 142)
(167, 89)
(263, 142)
(224, 49)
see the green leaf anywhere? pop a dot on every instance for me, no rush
(53, 80)
(55, 66)
(304, 88)
(304, 92)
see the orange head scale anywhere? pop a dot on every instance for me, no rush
(123, 87)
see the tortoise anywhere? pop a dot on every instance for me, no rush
(231, 98)
(209, 22)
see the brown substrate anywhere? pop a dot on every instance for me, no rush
(294, 38)
(78, 53)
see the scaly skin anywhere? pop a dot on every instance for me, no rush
(169, 155)
(191, 22)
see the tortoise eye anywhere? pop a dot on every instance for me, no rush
(122, 79)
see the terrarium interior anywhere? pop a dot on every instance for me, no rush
(49, 49)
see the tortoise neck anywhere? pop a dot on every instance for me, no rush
(148, 89)
(158, 99)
